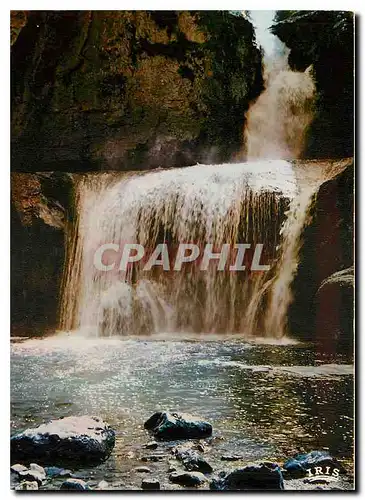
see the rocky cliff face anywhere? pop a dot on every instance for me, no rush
(323, 288)
(324, 39)
(129, 89)
(40, 208)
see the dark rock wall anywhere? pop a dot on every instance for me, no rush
(328, 247)
(129, 89)
(37, 249)
(324, 39)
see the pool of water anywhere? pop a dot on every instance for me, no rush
(264, 400)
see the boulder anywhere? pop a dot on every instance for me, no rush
(192, 460)
(170, 426)
(187, 478)
(263, 476)
(75, 484)
(150, 484)
(69, 440)
(298, 466)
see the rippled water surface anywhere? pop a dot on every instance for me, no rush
(264, 401)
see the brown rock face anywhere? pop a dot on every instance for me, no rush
(41, 206)
(323, 303)
(129, 89)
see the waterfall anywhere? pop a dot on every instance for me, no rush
(278, 120)
(260, 203)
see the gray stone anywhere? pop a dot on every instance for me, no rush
(192, 460)
(68, 440)
(187, 478)
(39, 469)
(170, 426)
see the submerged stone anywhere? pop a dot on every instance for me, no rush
(192, 460)
(263, 476)
(68, 440)
(300, 465)
(169, 426)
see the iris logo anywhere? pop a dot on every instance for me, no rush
(322, 473)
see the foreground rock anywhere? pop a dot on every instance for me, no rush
(75, 485)
(192, 460)
(187, 478)
(170, 426)
(263, 476)
(299, 465)
(70, 440)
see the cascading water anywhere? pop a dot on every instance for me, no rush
(263, 201)
(278, 120)
(220, 204)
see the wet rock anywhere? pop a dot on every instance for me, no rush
(152, 445)
(143, 469)
(57, 472)
(298, 466)
(263, 476)
(69, 440)
(187, 478)
(231, 458)
(74, 484)
(170, 426)
(27, 485)
(16, 468)
(192, 460)
(150, 484)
